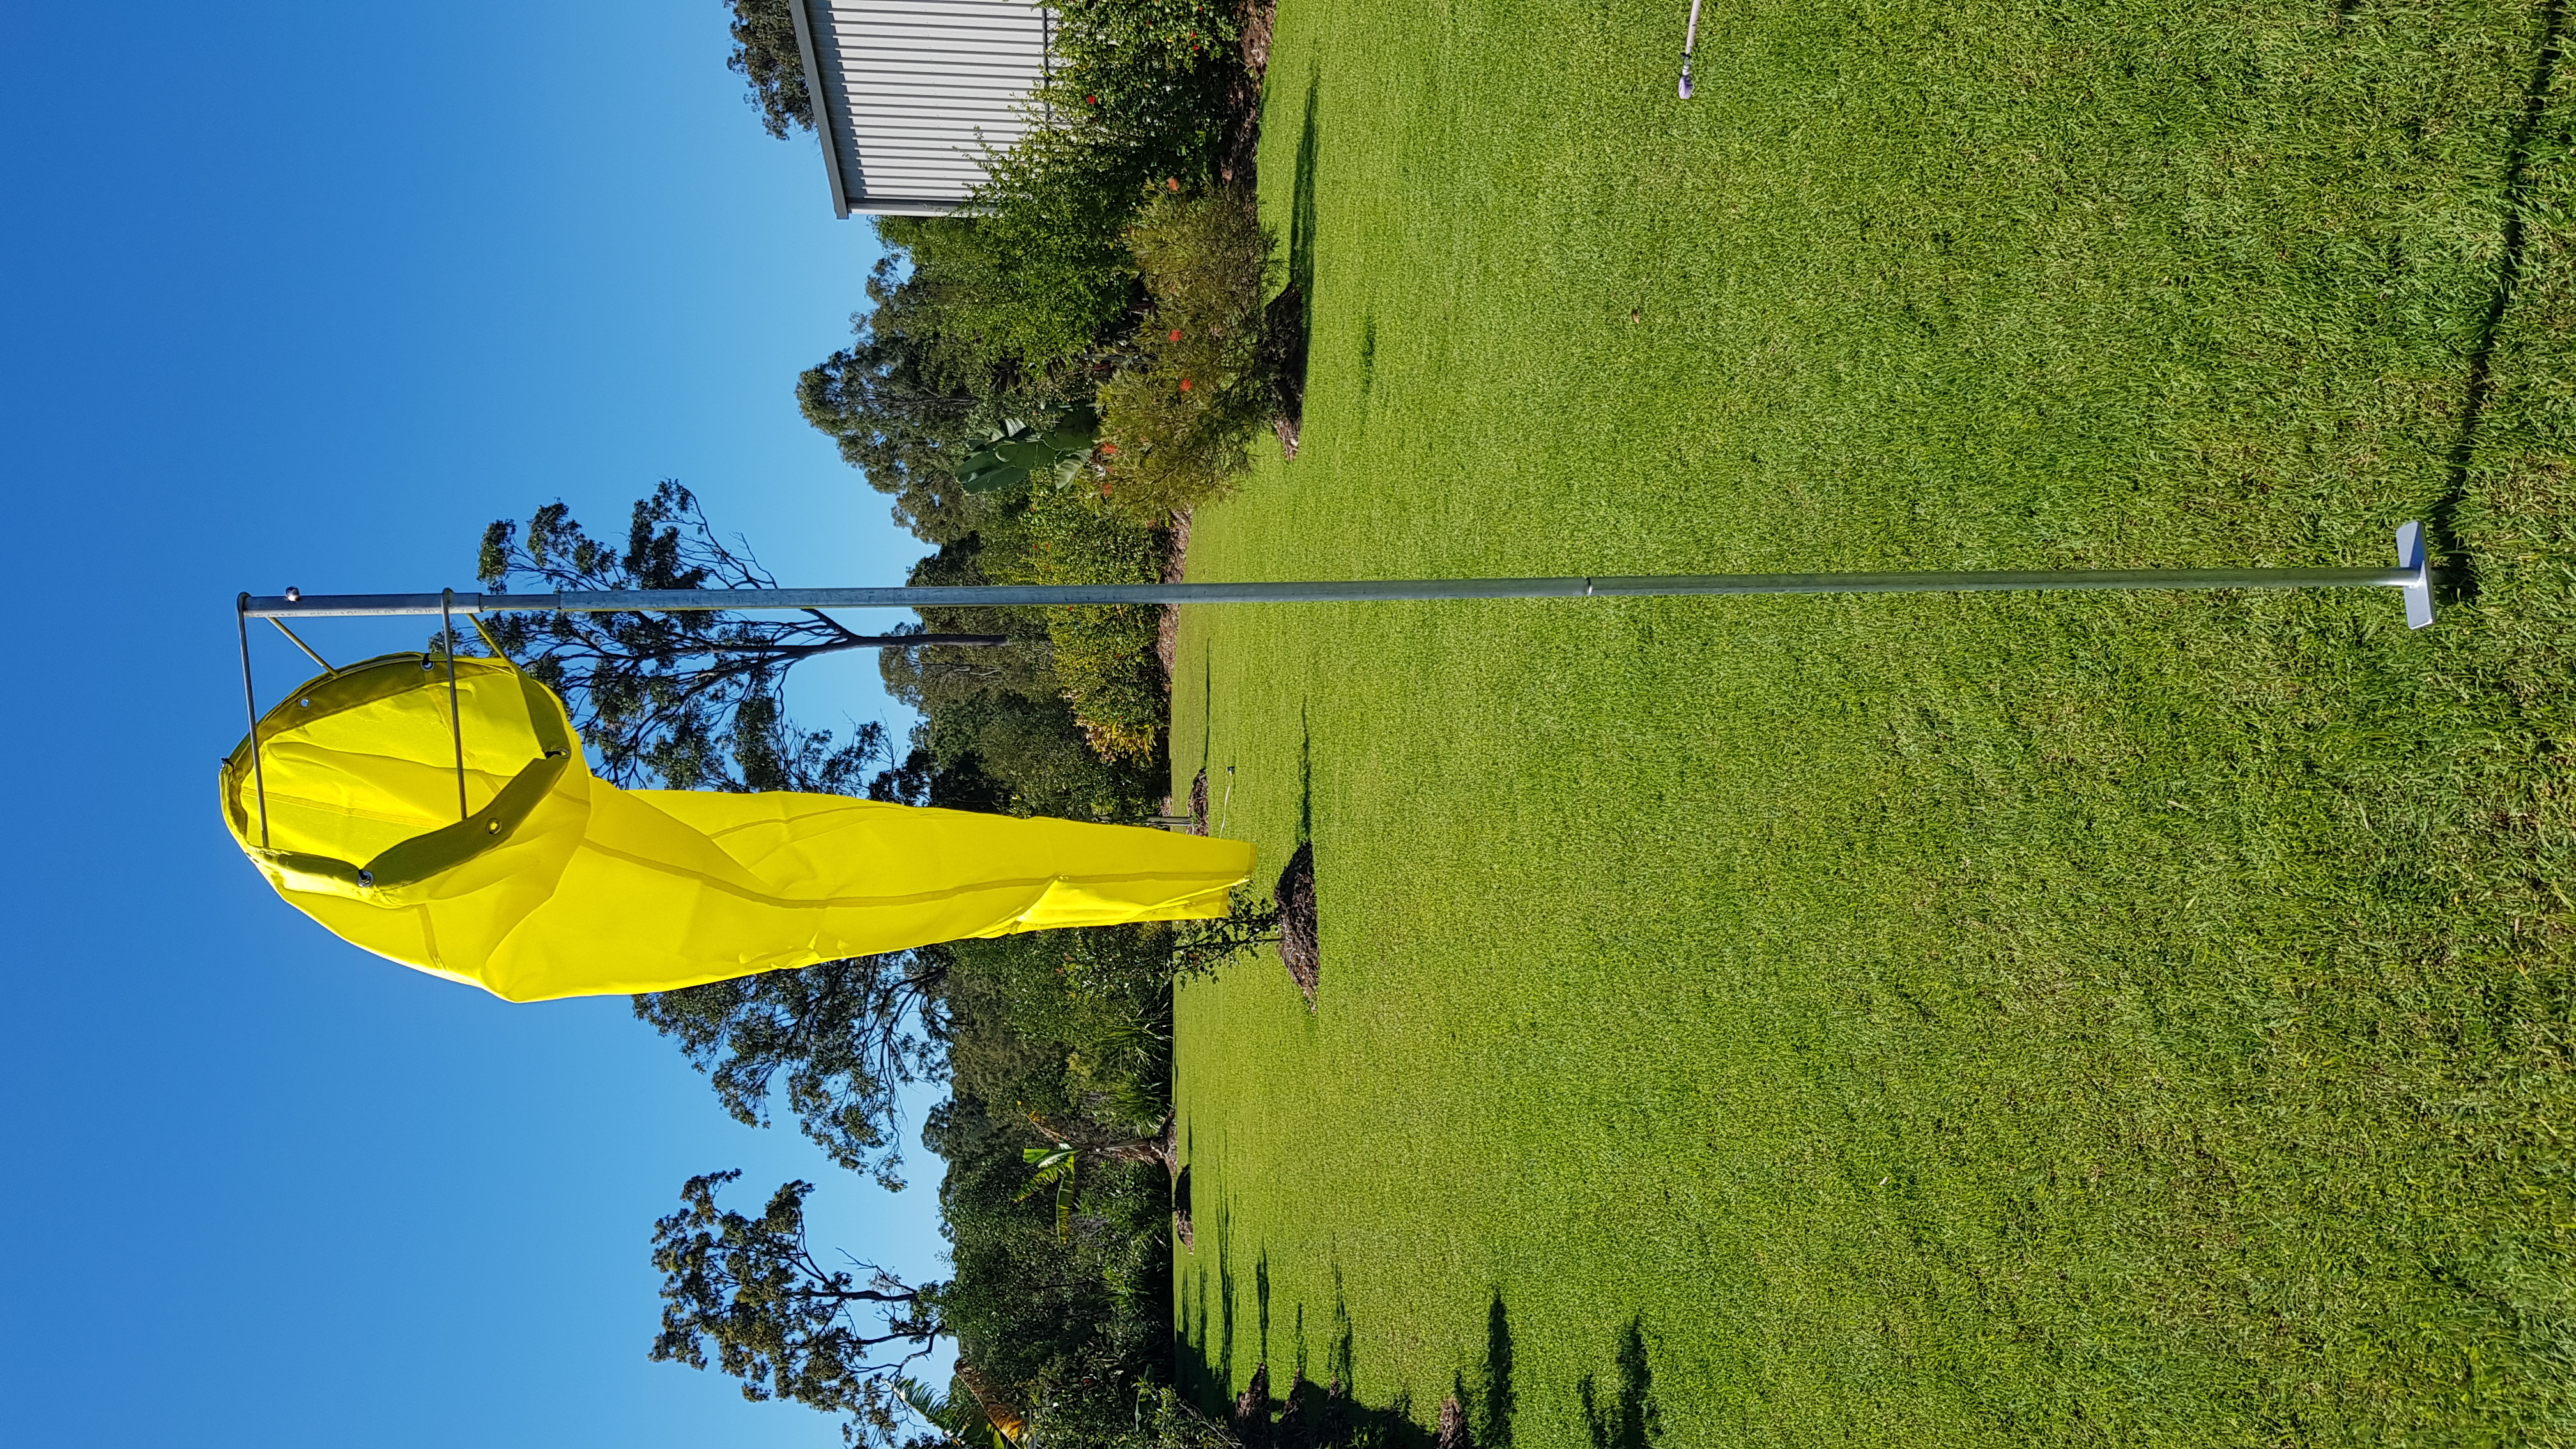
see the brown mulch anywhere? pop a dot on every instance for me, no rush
(1199, 804)
(1297, 940)
(1453, 1426)
(1284, 321)
(1283, 346)
(1252, 1408)
(1236, 160)
(1176, 564)
(1310, 1416)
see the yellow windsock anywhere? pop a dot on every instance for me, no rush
(557, 883)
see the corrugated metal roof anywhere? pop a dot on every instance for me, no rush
(908, 94)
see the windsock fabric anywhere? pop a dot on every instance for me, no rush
(556, 883)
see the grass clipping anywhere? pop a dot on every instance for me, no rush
(1177, 423)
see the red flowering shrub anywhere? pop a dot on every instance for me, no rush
(1177, 422)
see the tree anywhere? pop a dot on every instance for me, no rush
(932, 679)
(766, 54)
(998, 732)
(847, 1034)
(780, 1320)
(904, 435)
(930, 372)
(1103, 1137)
(691, 699)
(688, 698)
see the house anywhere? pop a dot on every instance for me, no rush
(908, 94)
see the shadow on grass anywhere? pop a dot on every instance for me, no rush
(1287, 326)
(1486, 1395)
(2460, 569)
(1627, 1419)
(1225, 1295)
(1189, 1370)
(1300, 934)
(1301, 203)
(1333, 1415)
(1201, 1370)
(1305, 777)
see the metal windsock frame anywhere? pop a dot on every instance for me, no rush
(2412, 578)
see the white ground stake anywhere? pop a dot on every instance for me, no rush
(1690, 42)
(2412, 578)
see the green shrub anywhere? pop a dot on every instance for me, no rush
(1174, 36)
(999, 726)
(1138, 95)
(1139, 92)
(1176, 423)
(1053, 279)
(1104, 654)
(1074, 1027)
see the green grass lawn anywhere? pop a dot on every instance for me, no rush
(2076, 1019)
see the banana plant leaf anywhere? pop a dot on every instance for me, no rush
(955, 1417)
(1058, 1165)
(1021, 453)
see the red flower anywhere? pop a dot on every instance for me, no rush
(1176, 334)
(1093, 100)
(1104, 489)
(1108, 449)
(1185, 384)
(1172, 183)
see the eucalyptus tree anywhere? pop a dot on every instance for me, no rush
(691, 700)
(765, 54)
(841, 1039)
(749, 1296)
(688, 699)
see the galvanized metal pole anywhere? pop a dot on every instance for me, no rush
(2412, 577)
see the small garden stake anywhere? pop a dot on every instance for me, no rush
(1690, 42)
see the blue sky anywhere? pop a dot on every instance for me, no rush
(306, 294)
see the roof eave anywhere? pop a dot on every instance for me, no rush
(822, 115)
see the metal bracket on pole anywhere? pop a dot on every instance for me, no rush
(2412, 577)
(2417, 591)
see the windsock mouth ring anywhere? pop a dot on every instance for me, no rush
(373, 681)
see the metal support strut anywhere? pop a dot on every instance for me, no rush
(250, 706)
(298, 641)
(455, 716)
(2412, 577)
